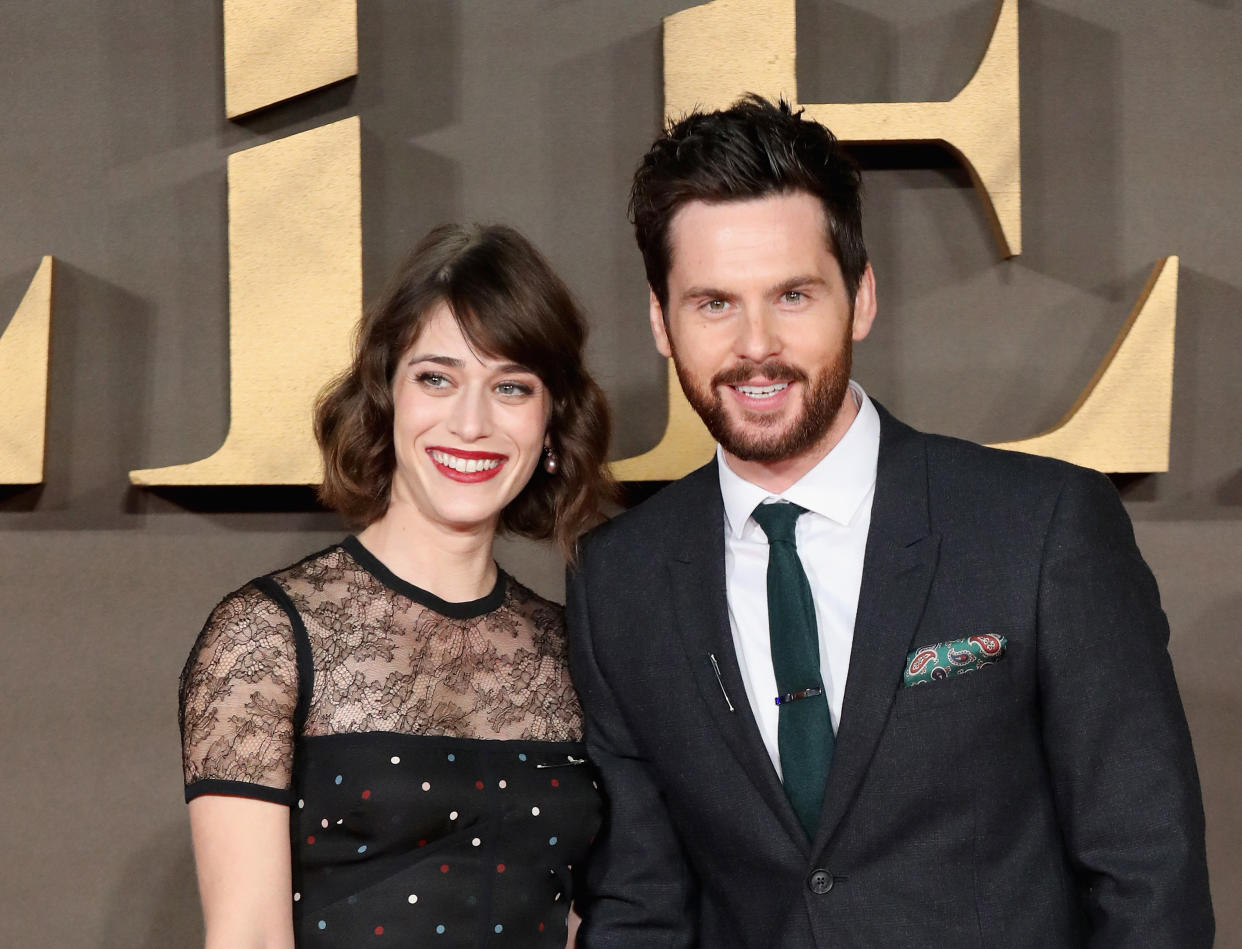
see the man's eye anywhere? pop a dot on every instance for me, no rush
(793, 296)
(715, 306)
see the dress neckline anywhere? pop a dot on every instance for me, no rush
(467, 609)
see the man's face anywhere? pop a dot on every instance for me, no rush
(760, 325)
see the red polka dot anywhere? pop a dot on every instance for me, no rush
(556, 783)
(541, 927)
(366, 794)
(310, 839)
(379, 930)
(422, 843)
(444, 868)
(500, 868)
(479, 785)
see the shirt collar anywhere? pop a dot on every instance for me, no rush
(835, 488)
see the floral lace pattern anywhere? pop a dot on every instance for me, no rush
(383, 661)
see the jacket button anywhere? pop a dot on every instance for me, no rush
(819, 882)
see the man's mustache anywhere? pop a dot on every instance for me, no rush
(747, 369)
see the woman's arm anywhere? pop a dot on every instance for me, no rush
(241, 850)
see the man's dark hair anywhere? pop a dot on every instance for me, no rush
(753, 149)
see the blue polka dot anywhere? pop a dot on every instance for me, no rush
(322, 924)
(452, 757)
(521, 757)
(440, 929)
(551, 841)
(362, 849)
(498, 928)
(338, 779)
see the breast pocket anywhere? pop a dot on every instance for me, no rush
(991, 684)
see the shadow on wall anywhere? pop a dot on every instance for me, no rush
(1204, 481)
(96, 419)
(155, 903)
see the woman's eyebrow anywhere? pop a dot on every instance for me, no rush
(450, 361)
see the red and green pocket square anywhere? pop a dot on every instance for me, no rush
(945, 660)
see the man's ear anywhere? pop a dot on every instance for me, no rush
(864, 305)
(658, 330)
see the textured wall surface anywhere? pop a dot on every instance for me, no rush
(534, 112)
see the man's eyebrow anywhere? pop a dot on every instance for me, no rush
(709, 293)
(793, 283)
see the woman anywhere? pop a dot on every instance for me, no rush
(381, 742)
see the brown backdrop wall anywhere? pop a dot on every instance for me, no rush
(112, 158)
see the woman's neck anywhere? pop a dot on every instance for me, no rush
(456, 566)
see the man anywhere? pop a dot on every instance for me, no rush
(851, 685)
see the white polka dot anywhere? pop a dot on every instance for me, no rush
(535, 811)
(324, 823)
(395, 759)
(296, 897)
(413, 897)
(341, 821)
(426, 785)
(503, 783)
(453, 815)
(301, 803)
(475, 842)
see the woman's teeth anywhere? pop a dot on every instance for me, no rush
(761, 392)
(464, 465)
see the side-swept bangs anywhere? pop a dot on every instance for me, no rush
(509, 304)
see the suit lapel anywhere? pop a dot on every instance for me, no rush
(898, 567)
(697, 580)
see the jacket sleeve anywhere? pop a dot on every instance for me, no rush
(1115, 735)
(640, 890)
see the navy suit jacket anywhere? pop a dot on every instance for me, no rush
(1050, 800)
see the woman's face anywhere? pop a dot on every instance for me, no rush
(468, 429)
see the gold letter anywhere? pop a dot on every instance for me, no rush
(295, 288)
(278, 49)
(23, 373)
(1121, 422)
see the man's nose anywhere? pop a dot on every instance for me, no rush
(758, 336)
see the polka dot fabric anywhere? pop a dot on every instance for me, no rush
(429, 752)
(469, 865)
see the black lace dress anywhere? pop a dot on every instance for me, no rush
(430, 752)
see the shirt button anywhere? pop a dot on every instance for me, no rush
(819, 882)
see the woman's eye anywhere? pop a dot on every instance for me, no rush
(432, 380)
(514, 389)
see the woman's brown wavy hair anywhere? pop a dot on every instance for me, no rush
(509, 304)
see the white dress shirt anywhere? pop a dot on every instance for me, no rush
(831, 538)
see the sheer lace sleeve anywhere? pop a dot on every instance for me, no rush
(239, 691)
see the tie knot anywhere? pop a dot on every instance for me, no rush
(778, 520)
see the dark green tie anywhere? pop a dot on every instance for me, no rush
(805, 731)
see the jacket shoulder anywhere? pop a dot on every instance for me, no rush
(653, 523)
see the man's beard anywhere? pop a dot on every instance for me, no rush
(770, 438)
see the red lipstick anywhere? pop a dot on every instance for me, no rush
(482, 472)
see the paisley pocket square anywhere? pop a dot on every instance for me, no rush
(945, 660)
